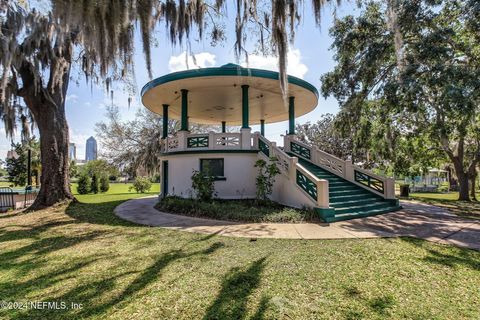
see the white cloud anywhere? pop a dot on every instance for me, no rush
(71, 98)
(294, 67)
(180, 62)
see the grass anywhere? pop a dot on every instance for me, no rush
(467, 209)
(236, 210)
(82, 253)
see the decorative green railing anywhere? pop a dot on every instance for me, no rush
(197, 142)
(300, 150)
(369, 181)
(307, 185)
(264, 147)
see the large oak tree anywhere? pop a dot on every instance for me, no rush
(423, 75)
(39, 48)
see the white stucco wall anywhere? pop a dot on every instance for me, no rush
(286, 192)
(239, 172)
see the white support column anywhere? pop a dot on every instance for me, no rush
(182, 140)
(211, 140)
(246, 138)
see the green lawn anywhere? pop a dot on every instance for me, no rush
(468, 209)
(82, 253)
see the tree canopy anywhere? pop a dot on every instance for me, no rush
(39, 48)
(430, 100)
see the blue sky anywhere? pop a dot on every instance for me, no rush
(309, 58)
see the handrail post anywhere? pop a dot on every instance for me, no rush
(348, 175)
(323, 200)
(211, 140)
(286, 143)
(256, 136)
(389, 188)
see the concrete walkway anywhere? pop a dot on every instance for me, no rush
(415, 220)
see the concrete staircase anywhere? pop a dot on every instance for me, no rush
(348, 200)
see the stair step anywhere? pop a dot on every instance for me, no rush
(347, 197)
(343, 187)
(362, 207)
(354, 202)
(351, 192)
(363, 214)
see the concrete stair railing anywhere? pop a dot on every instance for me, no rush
(312, 187)
(382, 186)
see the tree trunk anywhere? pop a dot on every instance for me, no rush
(472, 175)
(47, 104)
(462, 178)
(463, 186)
(55, 180)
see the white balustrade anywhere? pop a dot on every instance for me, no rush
(383, 186)
(227, 141)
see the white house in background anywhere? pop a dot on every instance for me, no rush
(232, 95)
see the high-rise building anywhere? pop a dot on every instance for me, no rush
(72, 151)
(91, 149)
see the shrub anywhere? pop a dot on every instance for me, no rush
(236, 210)
(94, 186)
(203, 185)
(104, 184)
(141, 185)
(83, 184)
(266, 177)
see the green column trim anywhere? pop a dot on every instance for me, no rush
(184, 124)
(224, 126)
(165, 121)
(262, 127)
(291, 115)
(245, 107)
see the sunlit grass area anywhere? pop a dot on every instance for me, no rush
(83, 254)
(468, 209)
(117, 191)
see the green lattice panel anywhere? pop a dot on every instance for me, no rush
(307, 185)
(264, 147)
(197, 142)
(371, 182)
(300, 150)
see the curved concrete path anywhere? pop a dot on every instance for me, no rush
(415, 220)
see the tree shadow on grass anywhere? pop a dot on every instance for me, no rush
(89, 293)
(380, 305)
(231, 301)
(448, 256)
(32, 256)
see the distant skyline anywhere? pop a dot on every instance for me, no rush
(91, 151)
(308, 58)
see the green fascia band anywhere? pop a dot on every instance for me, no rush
(227, 70)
